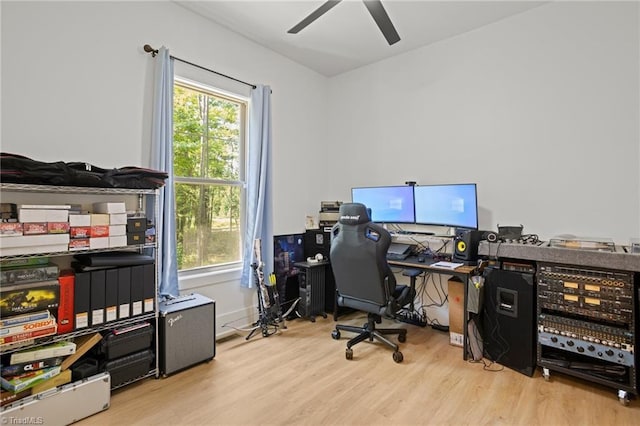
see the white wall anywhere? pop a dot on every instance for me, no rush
(541, 110)
(76, 86)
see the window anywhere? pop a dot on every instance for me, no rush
(208, 158)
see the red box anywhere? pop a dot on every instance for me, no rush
(99, 231)
(58, 227)
(34, 228)
(10, 228)
(65, 307)
(80, 232)
(79, 244)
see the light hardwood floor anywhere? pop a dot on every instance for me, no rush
(300, 376)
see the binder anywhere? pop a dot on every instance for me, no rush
(124, 292)
(149, 287)
(81, 300)
(137, 289)
(111, 295)
(97, 297)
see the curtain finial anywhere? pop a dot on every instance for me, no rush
(151, 50)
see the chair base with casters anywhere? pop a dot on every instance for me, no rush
(369, 332)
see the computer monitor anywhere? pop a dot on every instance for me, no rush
(388, 204)
(287, 250)
(453, 205)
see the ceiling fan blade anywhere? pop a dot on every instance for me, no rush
(382, 19)
(326, 6)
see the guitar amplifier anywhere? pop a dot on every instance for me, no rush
(186, 329)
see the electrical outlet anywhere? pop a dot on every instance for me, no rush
(456, 339)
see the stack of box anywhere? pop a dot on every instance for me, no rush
(29, 298)
(136, 230)
(38, 229)
(114, 217)
(39, 369)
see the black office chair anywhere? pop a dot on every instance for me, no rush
(363, 278)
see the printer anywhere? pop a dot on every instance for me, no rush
(329, 213)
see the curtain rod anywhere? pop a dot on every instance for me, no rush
(154, 52)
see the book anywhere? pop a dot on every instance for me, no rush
(19, 383)
(28, 274)
(27, 326)
(20, 319)
(28, 297)
(45, 206)
(83, 344)
(24, 261)
(447, 265)
(30, 330)
(25, 367)
(53, 350)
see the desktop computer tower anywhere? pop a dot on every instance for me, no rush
(311, 281)
(319, 241)
(508, 319)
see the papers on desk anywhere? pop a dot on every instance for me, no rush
(446, 265)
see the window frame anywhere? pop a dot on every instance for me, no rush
(220, 269)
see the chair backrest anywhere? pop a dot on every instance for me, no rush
(359, 247)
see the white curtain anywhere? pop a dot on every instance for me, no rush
(162, 159)
(258, 217)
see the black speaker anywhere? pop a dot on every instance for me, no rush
(465, 248)
(508, 319)
(317, 241)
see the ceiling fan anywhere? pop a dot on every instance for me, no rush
(375, 9)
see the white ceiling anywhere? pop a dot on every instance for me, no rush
(346, 37)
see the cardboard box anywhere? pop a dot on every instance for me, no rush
(57, 227)
(66, 281)
(10, 228)
(116, 230)
(79, 219)
(118, 219)
(80, 232)
(34, 228)
(135, 238)
(33, 241)
(43, 215)
(99, 219)
(136, 224)
(456, 310)
(118, 241)
(99, 231)
(79, 244)
(99, 243)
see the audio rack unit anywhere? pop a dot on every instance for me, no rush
(587, 325)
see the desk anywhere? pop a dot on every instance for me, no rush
(462, 272)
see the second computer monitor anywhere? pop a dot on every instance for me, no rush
(388, 204)
(452, 205)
